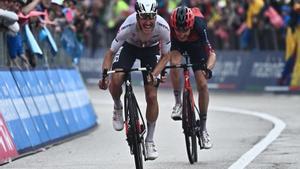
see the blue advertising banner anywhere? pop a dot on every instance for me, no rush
(42, 105)
(22, 110)
(265, 70)
(83, 95)
(52, 102)
(35, 115)
(72, 119)
(234, 70)
(75, 102)
(240, 70)
(12, 118)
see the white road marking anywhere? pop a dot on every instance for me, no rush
(258, 148)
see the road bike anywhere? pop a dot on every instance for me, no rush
(135, 127)
(190, 112)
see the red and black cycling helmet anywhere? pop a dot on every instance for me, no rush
(182, 18)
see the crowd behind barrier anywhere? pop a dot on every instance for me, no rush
(60, 32)
(86, 28)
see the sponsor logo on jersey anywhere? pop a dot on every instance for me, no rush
(164, 26)
(125, 26)
(155, 36)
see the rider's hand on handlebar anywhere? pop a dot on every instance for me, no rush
(153, 80)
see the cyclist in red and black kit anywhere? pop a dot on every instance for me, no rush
(188, 34)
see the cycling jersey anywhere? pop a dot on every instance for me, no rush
(130, 33)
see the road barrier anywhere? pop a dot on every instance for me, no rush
(41, 107)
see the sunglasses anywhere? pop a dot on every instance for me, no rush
(147, 15)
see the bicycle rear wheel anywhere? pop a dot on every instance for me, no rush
(134, 130)
(188, 125)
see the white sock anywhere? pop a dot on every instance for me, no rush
(150, 131)
(177, 95)
(118, 104)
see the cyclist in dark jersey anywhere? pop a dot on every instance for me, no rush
(188, 34)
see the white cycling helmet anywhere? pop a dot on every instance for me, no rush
(146, 6)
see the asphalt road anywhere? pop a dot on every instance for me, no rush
(233, 134)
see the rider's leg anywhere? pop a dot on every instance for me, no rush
(151, 110)
(123, 60)
(151, 116)
(175, 79)
(175, 75)
(203, 97)
(150, 59)
(115, 89)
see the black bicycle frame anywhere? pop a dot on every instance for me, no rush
(134, 122)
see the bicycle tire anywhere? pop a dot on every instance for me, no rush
(136, 141)
(188, 125)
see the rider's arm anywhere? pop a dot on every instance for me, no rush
(202, 32)
(211, 61)
(165, 47)
(107, 61)
(164, 59)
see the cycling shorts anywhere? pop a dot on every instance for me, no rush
(127, 54)
(195, 51)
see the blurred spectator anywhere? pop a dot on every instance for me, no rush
(8, 21)
(249, 28)
(292, 43)
(96, 26)
(15, 41)
(163, 9)
(73, 31)
(295, 27)
(117, 11)
(91, 24)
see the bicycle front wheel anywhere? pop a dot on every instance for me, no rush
(135, 133)
(188, 125)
